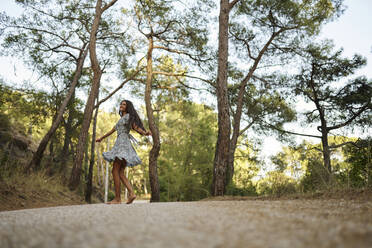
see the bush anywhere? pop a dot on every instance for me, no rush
(110, 196)
(315, 177)
(276, 183)
(4, 122)
(232, 189)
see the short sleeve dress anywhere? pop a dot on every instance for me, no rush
(123, 148)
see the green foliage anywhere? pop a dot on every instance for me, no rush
(4, 122)
(303, 163)
(291, 14)
(26, 109)
(110, 195)
(178, 29)
(246, 168)
(320, 83)
(358, 174)
(263, 107)
(315, 174)
(351, 165)
(185, 162)
(276, 183)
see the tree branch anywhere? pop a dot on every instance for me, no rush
(345, 143)
(119, 87)
(232, 4)
(108, 5)
(246, 128)
(351, 119)
(193, 57)
(294, 133)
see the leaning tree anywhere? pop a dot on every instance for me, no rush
(337, 104)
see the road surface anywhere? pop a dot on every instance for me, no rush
(285, 223)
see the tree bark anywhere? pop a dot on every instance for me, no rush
(88, 111)
(36, 158)
(154, 152)
(88, 193)
(326, 150)
(220, 163)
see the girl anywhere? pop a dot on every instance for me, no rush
(123, 153)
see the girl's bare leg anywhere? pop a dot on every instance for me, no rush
(126, 182)
(115, 174)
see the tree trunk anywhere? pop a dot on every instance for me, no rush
(97, 73)
(154, 153)
(88, 194)
(99, 166)
(230, 167)
(239, 106)
(36, 159)
(86, 160)
(223, 140)
(326, 154)
(65, 154)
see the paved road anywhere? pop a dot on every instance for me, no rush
(295, 223)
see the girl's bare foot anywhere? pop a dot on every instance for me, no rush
(115, 201)
(131, 199)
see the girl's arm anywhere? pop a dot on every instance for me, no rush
(140, 130)
(106, 135)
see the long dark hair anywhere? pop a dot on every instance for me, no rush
(133, 116)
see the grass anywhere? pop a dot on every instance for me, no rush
(19, 191)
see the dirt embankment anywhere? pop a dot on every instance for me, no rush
(20, 190)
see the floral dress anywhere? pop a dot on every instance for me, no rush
(123, 148)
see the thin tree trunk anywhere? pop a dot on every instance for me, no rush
(223, 140)
(323, 128)
(154, 152)
(145, 185)
(99, 167)
(97, 73)
(68, 133)
(86, 160)
(230, 167)
(239, 106)
(102, 170)
(88, 194)
(36, 159)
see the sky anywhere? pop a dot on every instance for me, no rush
(351, 31)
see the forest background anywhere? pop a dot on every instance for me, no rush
(184, 97)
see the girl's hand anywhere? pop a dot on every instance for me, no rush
(148, 133)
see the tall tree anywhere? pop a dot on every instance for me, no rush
(337, 105)
(265, 31)
(221, 157)
(272, 33)
(170, 31)
(97, 73)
